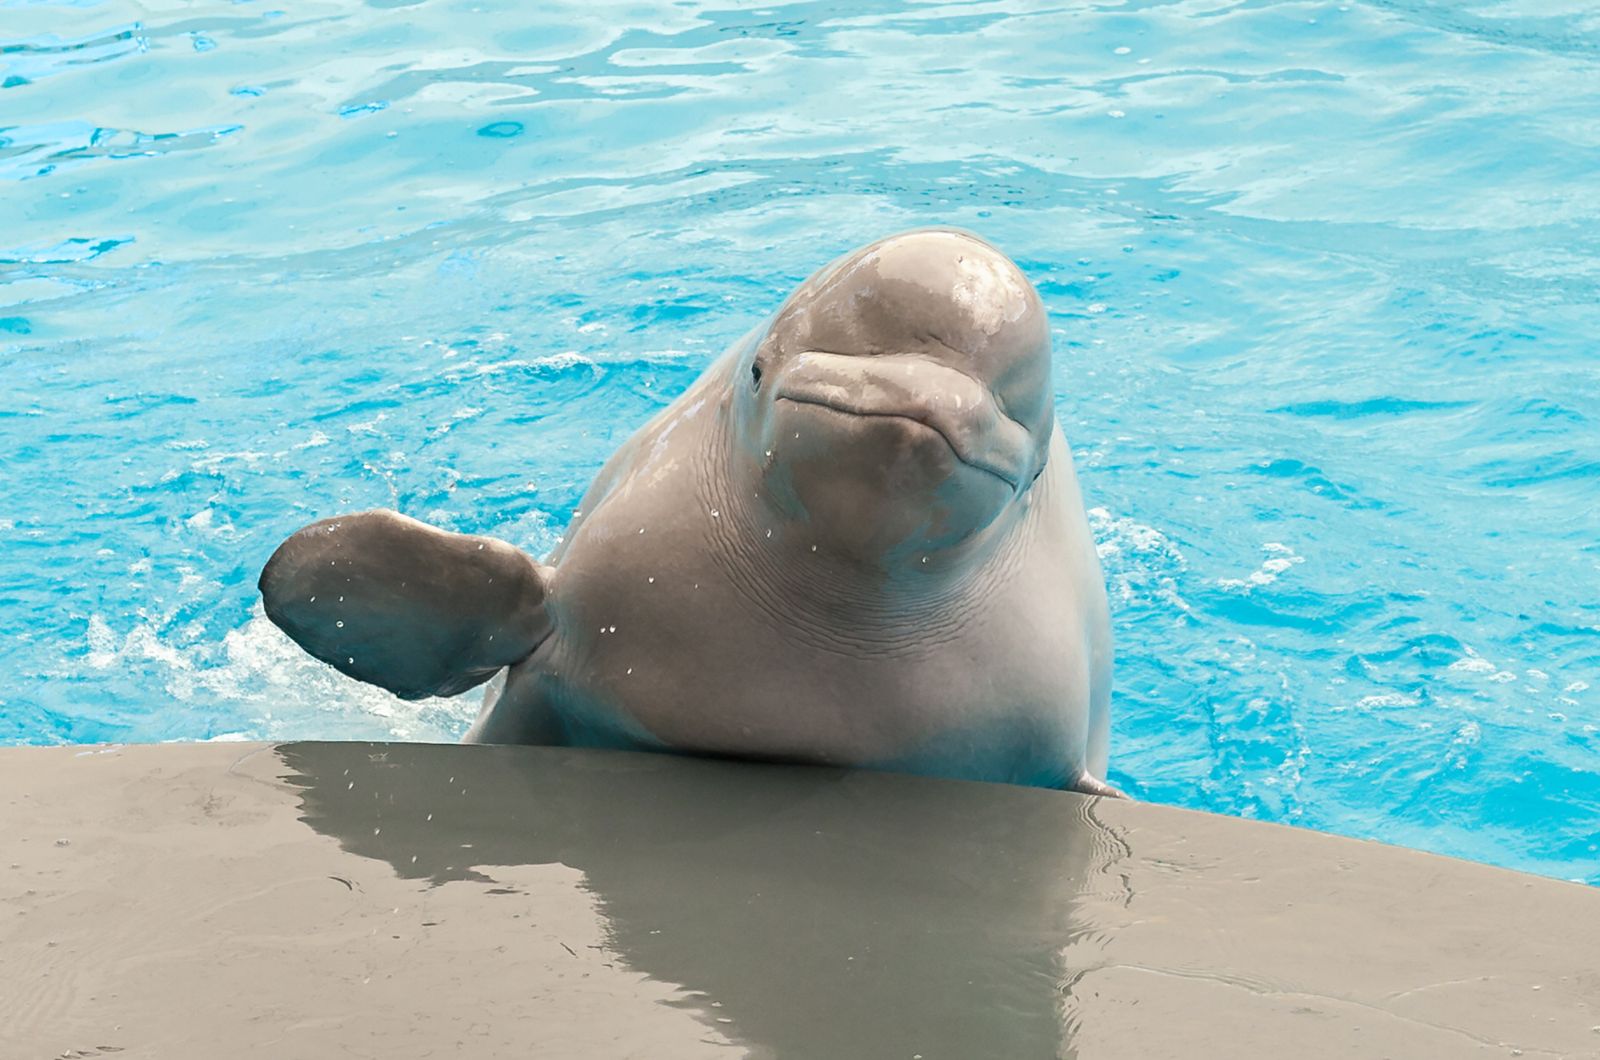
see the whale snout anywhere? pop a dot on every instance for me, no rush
(954, 405)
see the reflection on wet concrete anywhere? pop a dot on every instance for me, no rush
(781, 898)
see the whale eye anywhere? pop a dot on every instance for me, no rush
(755, 375)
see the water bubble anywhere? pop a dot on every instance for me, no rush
(340, 623)
(1124, 50)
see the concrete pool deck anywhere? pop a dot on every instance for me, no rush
(412, 900)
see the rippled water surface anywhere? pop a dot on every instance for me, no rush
(1324, 280)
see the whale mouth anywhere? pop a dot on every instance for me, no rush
(922, 419)
(957, 406)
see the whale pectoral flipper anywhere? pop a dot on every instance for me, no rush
(1089, 784)
(405, 606)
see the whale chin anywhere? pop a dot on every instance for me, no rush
(876, 483)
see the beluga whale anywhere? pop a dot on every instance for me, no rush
(857, 539)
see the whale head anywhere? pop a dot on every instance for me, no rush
(899, 400)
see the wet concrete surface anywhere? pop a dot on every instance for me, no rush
(411, 900)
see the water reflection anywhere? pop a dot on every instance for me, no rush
(819, 912)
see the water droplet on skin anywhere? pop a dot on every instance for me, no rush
(813, 548)
(350, 786)
(480, 546)
(312, 600)
(430, 816)
(340, 623)
(350, 660)
(715, 514)
(341, 599)
(613, 629)
(630, 669)
(375, 831)
(924, 559)
(641, 529)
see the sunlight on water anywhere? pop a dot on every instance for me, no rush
(1324, 279)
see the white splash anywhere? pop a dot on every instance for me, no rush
(284, 692)
(1141, 564)
(1280, 558)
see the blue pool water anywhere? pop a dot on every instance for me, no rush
(1325, 279)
